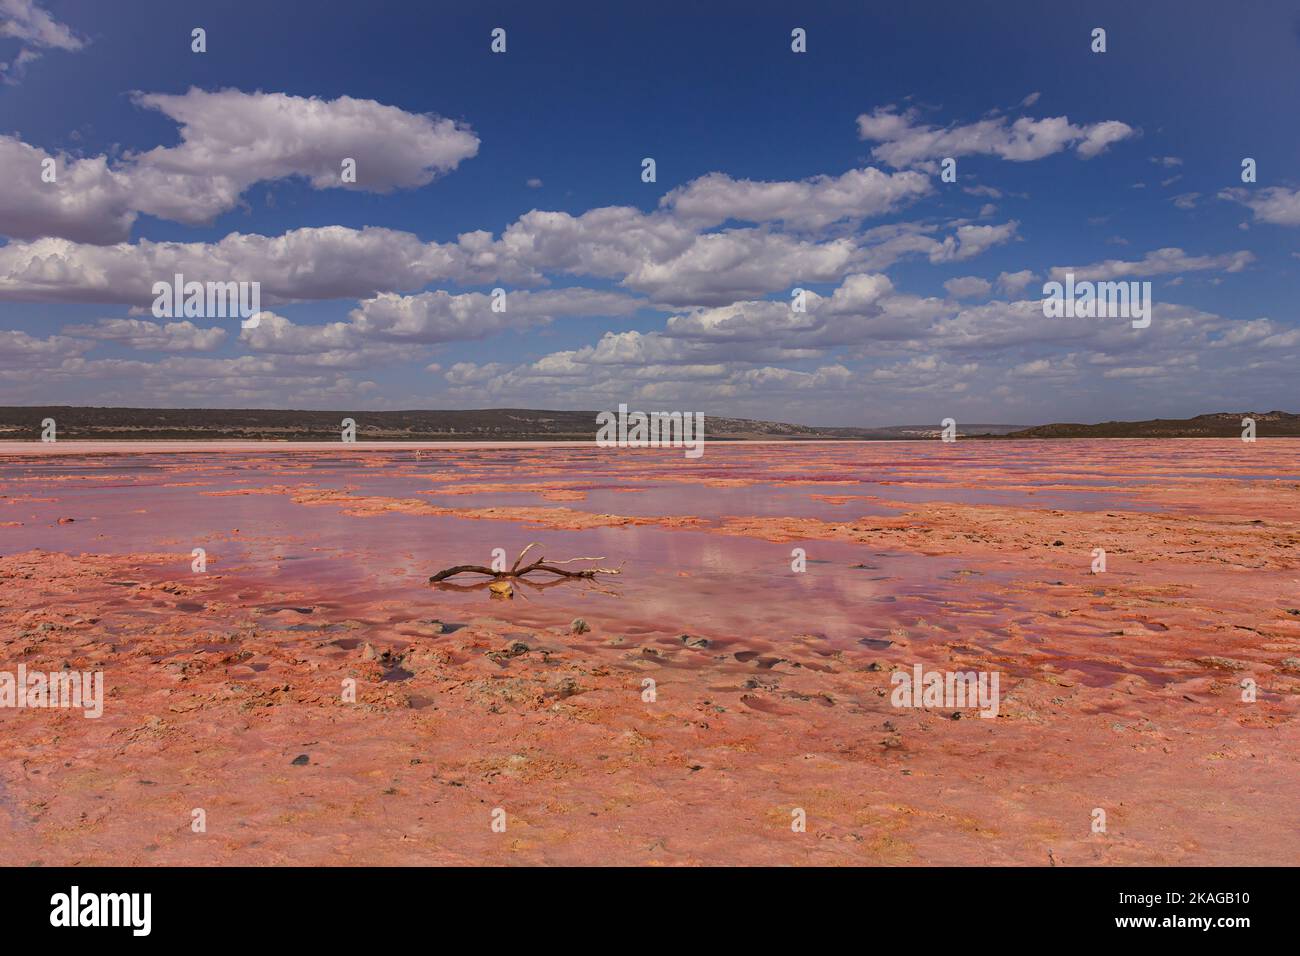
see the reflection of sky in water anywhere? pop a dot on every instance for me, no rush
(674, 580)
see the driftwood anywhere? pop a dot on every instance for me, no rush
(540, 565)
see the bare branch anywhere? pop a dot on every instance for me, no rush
(463, 569)
(540, 565)
(521, 556)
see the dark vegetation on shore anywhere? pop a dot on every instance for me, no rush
(1217, 425)
(490, 424)
(519, 424)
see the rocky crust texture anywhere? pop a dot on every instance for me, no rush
(302, 695)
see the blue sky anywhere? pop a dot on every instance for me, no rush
(775, 170)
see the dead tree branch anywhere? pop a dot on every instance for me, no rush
(540, 565)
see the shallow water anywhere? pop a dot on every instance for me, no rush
(673, 580)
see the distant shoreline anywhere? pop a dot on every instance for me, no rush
(519, 427)
(36, 448)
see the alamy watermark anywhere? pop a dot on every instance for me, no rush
(83, 690)
(1098, 300)
(946, 689)
(208, 300)
(75, 908)
(655, 430)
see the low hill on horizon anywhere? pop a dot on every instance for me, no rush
(23, 423)
(490, 424)
(1275, 424)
